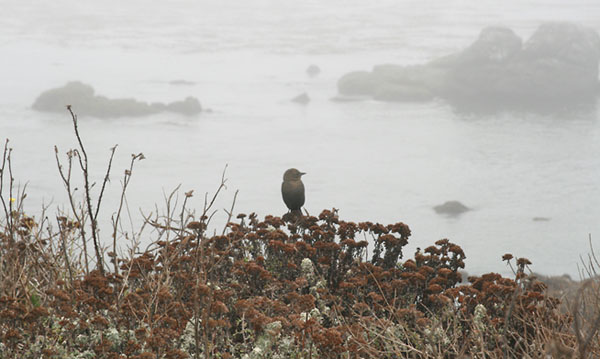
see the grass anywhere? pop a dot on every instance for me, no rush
(262, 288)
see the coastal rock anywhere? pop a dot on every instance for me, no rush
(313, 70)
(452, 208)
(302, 99)
(181, 83)
(557, 65)
(562, 286)
(189, 106)
(84, 99)
(358, 83)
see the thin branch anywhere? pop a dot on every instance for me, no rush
(106, 179)
(10, 195)
(63, 242)
(4, 157)
(84, 168)
(66, 178)
(126, 179)
(230, 213)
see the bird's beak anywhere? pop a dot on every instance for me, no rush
(302, 173)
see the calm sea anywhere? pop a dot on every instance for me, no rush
(381, 162)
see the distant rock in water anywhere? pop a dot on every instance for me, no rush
(452, 208)
(181, 83)
(540, 219)
(560, 286)
(313, 70)
(189, 106)
(302, 99)
(86, 102)
(557, 65)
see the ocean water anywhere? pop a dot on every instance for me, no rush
(381, 162)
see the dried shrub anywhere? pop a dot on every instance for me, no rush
(297, 286)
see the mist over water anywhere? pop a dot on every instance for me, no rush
(374, 161)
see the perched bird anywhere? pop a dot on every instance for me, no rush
(292, 190)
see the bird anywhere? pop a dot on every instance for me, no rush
(292, 190)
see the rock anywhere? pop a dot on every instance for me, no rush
(452, 208)
(558, 65)
(566, 42)
(358, 83)
(392, 93)
(392, 83)
(540, 219)
(574, 292)
(313, 70)
(82, 97)
(181, 83)
(560, 286)
(189, 106)
(495, 45)
(302, 99)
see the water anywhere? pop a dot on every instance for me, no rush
(374, 161)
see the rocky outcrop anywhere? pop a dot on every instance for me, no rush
(302, 99)
(313, 70)
(558, 64)
(83, 98)
(451, 208)
(181, 83)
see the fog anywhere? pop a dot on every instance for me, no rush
(414, 104)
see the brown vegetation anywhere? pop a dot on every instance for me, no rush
(313, 287)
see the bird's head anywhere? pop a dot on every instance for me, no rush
(292, 175)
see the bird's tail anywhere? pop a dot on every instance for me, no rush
(296, 212)
(293, 216)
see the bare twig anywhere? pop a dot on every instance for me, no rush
(126, 179)
(11, 197)
(207, 205)
(508, 314)
(106, 179)
(5, 158)
(83, 163)
(63, 241)
(169, 199)
(583, 339)
(66, 178)
(230, 212)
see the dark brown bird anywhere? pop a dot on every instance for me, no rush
(292, 189)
